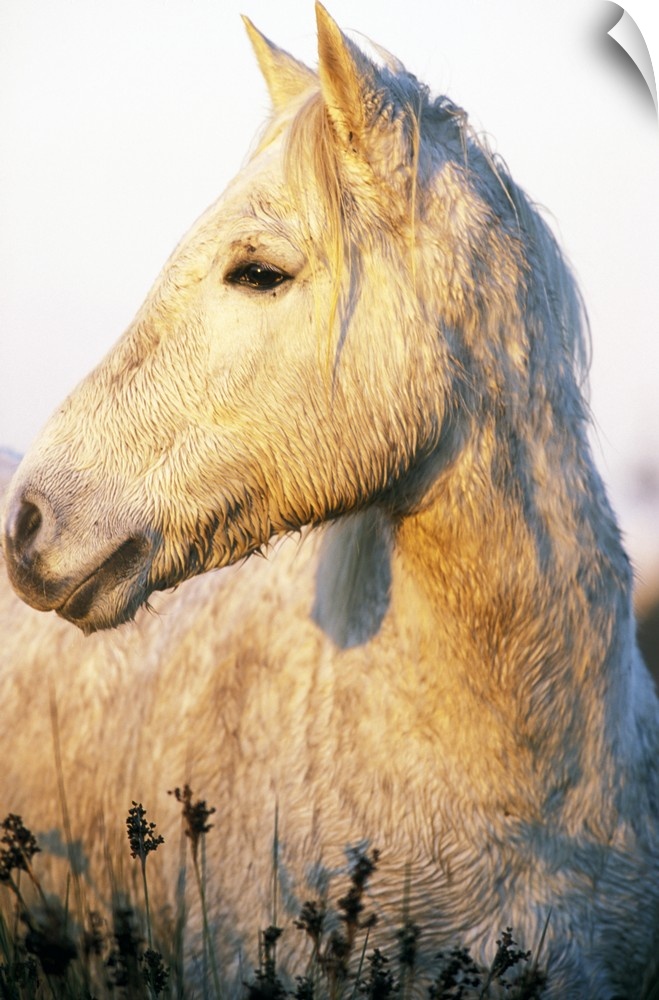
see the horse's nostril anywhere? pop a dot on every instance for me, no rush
(29, 522)
(29, 533)
(25, 528)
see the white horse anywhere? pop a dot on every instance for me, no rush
(371, 330)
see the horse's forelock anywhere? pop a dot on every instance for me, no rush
(353, 205)
(320, 180)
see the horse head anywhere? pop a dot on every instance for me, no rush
(355, 308)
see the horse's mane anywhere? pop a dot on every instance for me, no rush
(564, 299)
(314, 161)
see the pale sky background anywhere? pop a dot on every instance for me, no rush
(121, 120)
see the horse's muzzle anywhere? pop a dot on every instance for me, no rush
(97, 594)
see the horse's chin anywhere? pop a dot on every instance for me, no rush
(93, 610)
(112, 592)
(99, 596)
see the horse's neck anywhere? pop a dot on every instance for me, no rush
(523, 566)
(514, 602)
(509, 570)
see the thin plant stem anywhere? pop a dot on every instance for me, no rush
(179, 940)
(208, 944)
(20, 905)
(361, 965)
(541, 942)
(407, 968)
(61, 791)
(146, 902)
(275, 879)
(201, 884)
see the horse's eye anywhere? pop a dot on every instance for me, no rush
(258, 275)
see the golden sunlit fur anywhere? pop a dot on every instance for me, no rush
(437, 655)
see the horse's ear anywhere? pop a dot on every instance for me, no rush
(357, 93)
(344, 76)
(285, 76)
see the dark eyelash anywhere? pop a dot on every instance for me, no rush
(258, 275)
